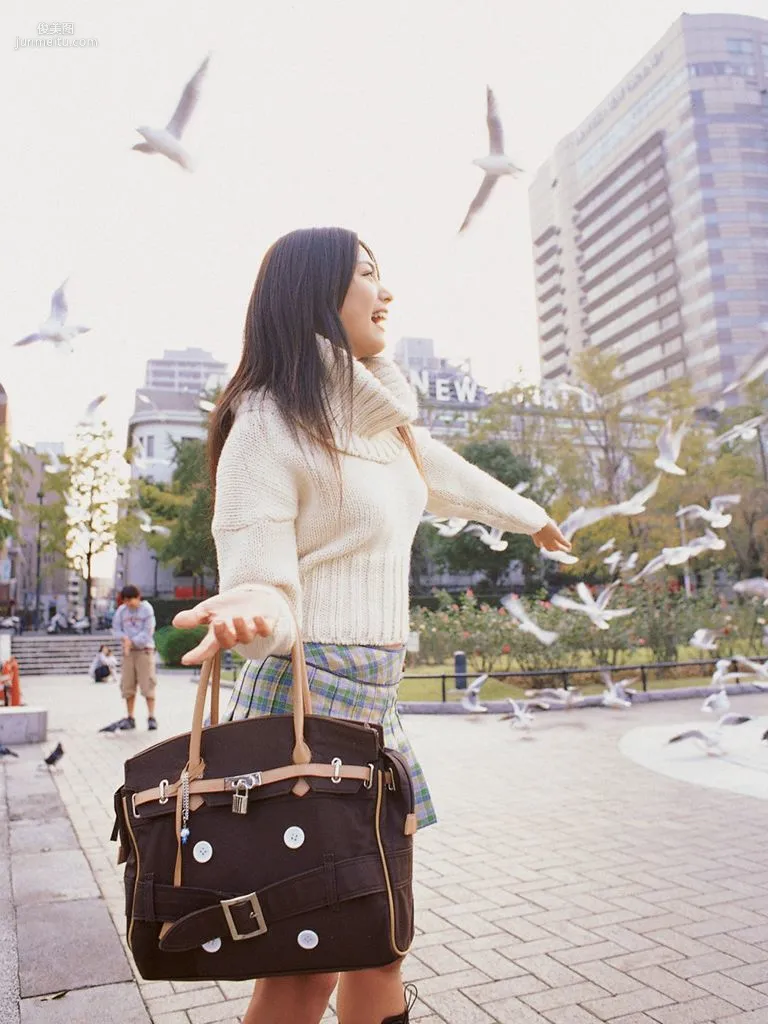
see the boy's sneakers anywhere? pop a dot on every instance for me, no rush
(127, 723)
(151, 723)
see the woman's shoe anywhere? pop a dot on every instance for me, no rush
(410, 999)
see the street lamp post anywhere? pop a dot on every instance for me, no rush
(40, 496)
(686, 573)
(155, 559)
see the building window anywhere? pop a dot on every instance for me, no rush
(149, 447)
(739, 45)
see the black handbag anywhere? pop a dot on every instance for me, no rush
(271, 846)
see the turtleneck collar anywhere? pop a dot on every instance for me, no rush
(366, 414)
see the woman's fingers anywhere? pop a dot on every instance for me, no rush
(244, 631)
(205, 649)
(191, 617)
(224, 630)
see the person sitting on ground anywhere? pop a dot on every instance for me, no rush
(104, 665)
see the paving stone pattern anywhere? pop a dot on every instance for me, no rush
(564, 883)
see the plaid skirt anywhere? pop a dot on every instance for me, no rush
(345, 681)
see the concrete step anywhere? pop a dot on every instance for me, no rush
(40, 654)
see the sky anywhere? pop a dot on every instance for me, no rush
(313, 112)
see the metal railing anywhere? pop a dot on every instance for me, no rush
(563, 675)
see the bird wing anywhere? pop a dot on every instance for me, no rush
(689, 735)
(647, 492)
(753, 666)
(567, 604)
(477, 686)
(59, 307)
(94, 405)
(734, 719)
(584, 593)
(754, 369)
(721, 501)
(663, 441)
(616, 613)
(687, 510)
(605, 595)
(478, 530)
(188, 101)
(486, 187)
(676, 439)
(582, 517)
(29, 339)
(495, 129)
(521, 487)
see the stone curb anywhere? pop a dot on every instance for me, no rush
(594, 701)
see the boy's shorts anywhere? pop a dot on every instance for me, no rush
(138, 673)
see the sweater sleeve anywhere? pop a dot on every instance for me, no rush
(458, 488)
(254, 529)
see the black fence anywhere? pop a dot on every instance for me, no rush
(562, 676)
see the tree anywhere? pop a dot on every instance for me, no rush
(94, 489)
(466, 553)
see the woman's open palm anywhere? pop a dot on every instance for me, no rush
(233, 617)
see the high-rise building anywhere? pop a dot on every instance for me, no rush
(189, 369)
(650, 220)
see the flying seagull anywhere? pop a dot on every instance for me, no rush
(445, 527)
(147, 526)
(205, 405)
(711, 740)
(704, 639)
(717, 701)
(755, 586)
(167, 141)
(616, 695)
(520, 714)
(568, 698)
(90, 409)
(496, 164)
(5, 513)
(470, 700)
(595, 608)
(745, 431)
(55, 328)
(490, 537)
(514, 606)
(669, 443)
(715, 515)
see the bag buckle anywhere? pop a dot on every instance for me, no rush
(256, 914)
(336, 763)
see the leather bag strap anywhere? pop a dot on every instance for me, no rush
(198, 915)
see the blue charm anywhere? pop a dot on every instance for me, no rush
(184, 835)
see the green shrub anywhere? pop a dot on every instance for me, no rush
(174, 643)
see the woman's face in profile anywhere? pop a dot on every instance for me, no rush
(364, 310)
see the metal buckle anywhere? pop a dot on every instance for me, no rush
(389, 775)
(133, 805)
(256, 913)
(369, 781)
(336, 763)
(248, 780)
(163, 798)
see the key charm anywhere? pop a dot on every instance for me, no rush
(240, 797)
(184, 832)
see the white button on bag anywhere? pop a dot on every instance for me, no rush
(202, 851)
(212, 945)
(293, 837)
(307, 939)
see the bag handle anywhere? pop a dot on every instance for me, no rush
(302, 705)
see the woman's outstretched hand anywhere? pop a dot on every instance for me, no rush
(550, 538)
(232, 618)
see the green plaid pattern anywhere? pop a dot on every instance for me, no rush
(345, 681)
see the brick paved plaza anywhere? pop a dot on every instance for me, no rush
(565, 883)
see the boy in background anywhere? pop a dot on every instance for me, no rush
(134, 625)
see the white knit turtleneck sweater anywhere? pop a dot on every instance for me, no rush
(342, 566)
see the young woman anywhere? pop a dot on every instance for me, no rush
(104, 665)
(320, 482)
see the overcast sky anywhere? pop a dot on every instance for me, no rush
(366, 115)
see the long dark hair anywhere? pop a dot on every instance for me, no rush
(299, 291)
